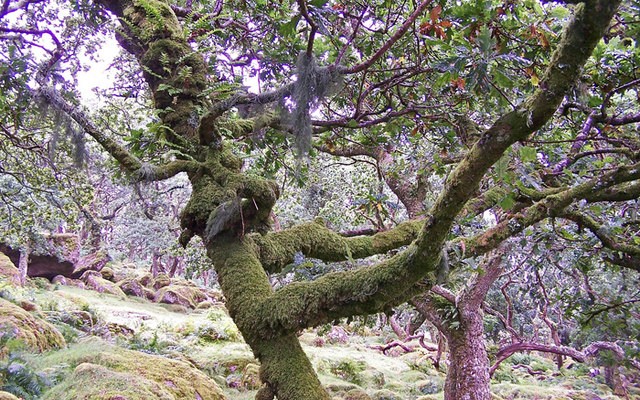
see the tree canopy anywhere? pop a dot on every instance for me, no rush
(482, 122)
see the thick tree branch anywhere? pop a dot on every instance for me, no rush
(547, 207)
(124, 157)
(315, 240)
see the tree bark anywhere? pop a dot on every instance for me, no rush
(23, 263)
(468, 373)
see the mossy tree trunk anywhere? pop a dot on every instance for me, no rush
(230, 210)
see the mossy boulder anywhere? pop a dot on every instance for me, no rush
(146, 280)
(112, 373)
(108, 273)
(385, 394)
(132, 287)
(7, 396)
(8, 270)
(94, 281)
(160, 281)
(356, 394)
(37, 334)
(91, 262)
(187, 296)
(95, 382)
(59, 280)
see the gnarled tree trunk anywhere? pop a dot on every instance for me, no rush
(468, 373)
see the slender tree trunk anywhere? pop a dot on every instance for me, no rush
(468, 374)
(613, 378)
(156, 264)
(23, 263)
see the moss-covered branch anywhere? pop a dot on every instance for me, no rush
(579, 38)
(157, 173)
(314, 239)
(372, 289)
(127, 160)
(601, 232)
(550, 206)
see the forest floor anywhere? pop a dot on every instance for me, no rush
(347, 356)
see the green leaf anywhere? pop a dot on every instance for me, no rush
(507, 203)
(352, 123)
(528, 154)
(318, 3)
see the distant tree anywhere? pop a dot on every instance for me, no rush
(455, 103)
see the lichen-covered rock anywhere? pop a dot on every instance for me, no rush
(134, 375)
(108, 273)
(385, 394)
(59, 280)
(37, 334)
(94, 281)
(160, 281)
(91, 262)
(7, 396)
(187, 296)
(356, 394)
(91, 381)
(8, 270)
(204, 305)
(146, 280)
(131, 287)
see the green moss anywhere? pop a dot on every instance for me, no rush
(157, 375)
(161, 281)
(95, 281)
(152, 19)
(356, 394)
(8, 270)
(186, 296)
(95, 382)
(38, 335)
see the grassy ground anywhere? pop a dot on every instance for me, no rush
(208, 340)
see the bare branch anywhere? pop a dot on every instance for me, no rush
(396, 36)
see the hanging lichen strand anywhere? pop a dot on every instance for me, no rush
(312, 84)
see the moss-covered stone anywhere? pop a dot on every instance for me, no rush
(187, 296)
(146, 280)
(95, 382)
(8, 270)
(38, 335)
(59, 280)
(160, 281)
(94, 280)
(109, 274)
(132, 287)
(7, 396)
(356, 394)
(91, 262)
(386, 394)
(112, 371)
